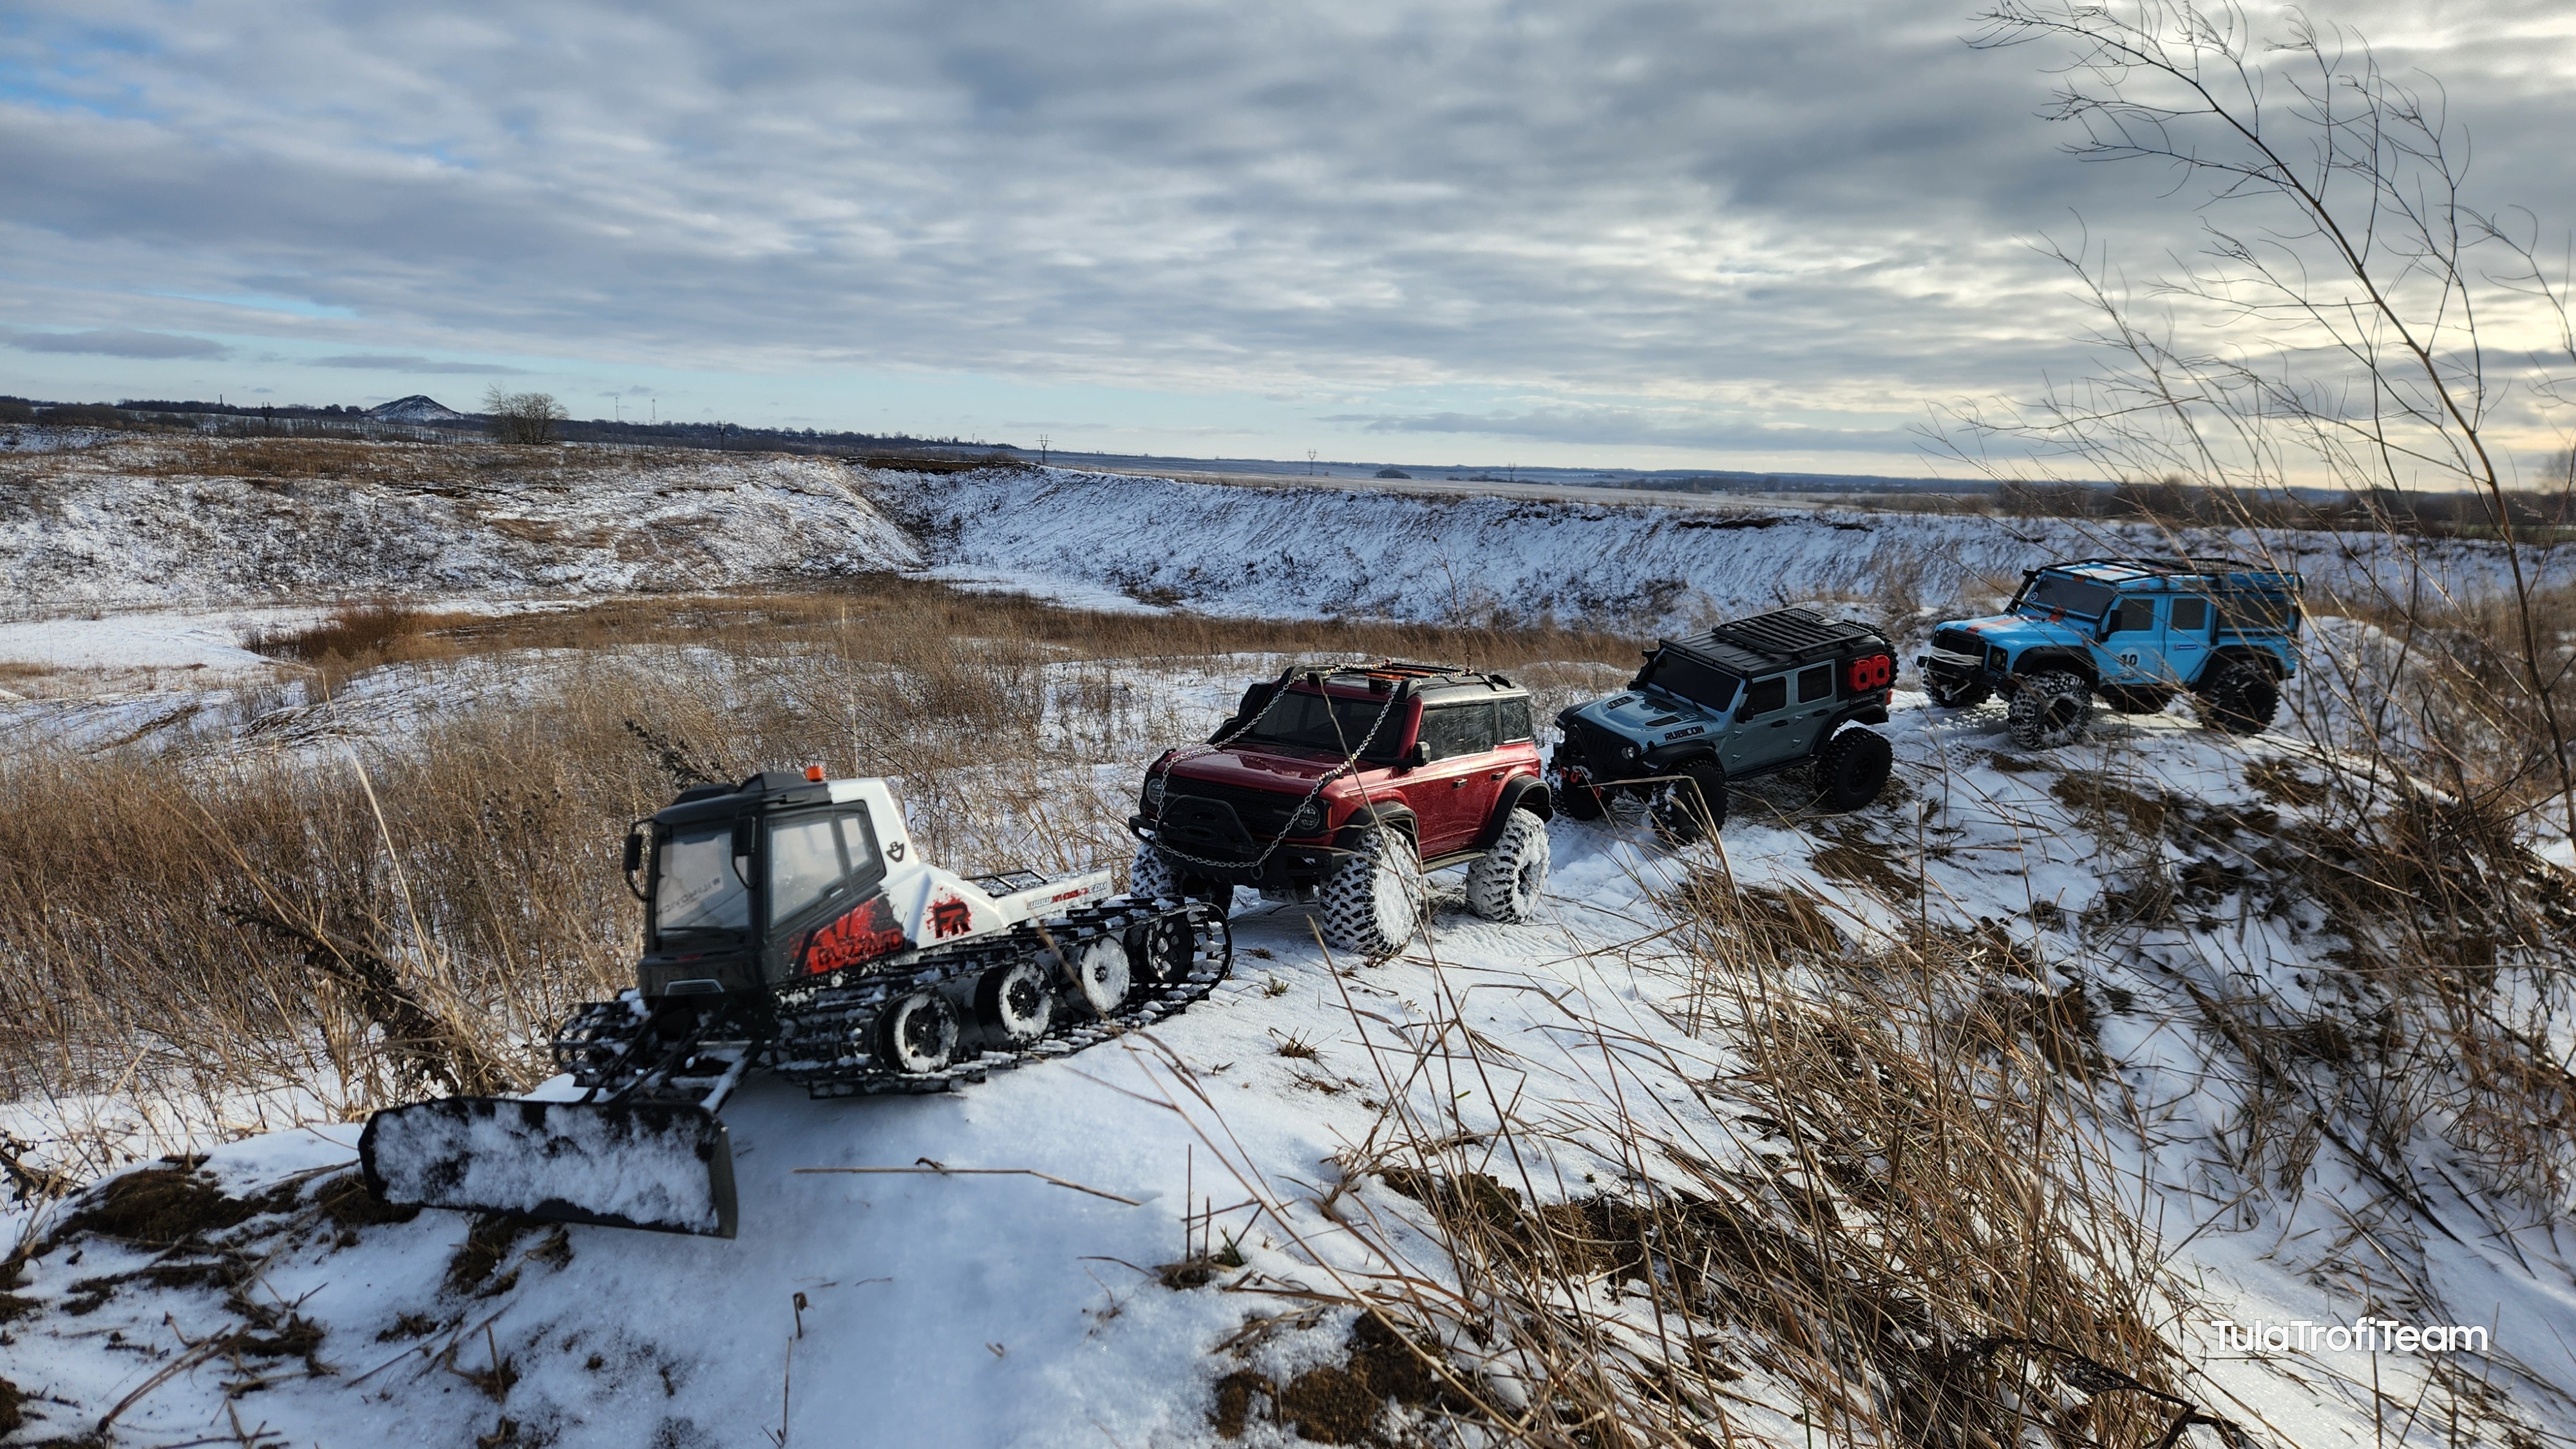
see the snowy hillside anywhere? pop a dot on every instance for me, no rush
(1289, 551)
(2123, 898)
(417, 408)
(151, 522)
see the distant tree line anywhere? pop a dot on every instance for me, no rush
(2174, 502)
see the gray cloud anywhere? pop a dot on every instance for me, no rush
(375, 362)
(119, 342)
(1813, 215)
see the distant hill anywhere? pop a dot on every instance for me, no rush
(417, 408)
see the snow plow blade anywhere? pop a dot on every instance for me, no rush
(662, 1167)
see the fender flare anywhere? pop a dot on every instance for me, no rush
(1391, 814)
(2263, 659)
(2050, 658)
(1520, 792)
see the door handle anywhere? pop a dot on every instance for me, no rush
(1458, 784)
(1495, 776)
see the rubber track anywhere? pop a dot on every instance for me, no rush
(816, 1024)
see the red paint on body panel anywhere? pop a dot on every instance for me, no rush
(863, 933)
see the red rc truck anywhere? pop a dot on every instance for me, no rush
(1341, 786)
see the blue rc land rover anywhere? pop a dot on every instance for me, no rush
(1754, 697)
(2135, 632)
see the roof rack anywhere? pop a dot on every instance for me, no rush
(2209, 563)
(1398, 674)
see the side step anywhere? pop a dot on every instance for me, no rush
(664, 1167)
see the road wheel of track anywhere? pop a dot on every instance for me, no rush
(918, 1033)
(1853, 767)
(1504, 883)
(1016, 1001)
(1693, 806)
(1158, 951)
(1153, 877)
(1101, 976)
(2050, 708)
(1373, 898)
(2239, 698)
(1963, 694)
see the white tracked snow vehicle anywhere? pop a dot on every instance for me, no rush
(791, 925)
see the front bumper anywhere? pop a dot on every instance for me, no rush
(1296, 865)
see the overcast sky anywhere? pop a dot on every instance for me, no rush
(1644, 235)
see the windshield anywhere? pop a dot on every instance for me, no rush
(2056, 593)
(697, 889)
(1304, 720)
(1674, 672)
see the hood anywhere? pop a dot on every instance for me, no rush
(2019, 629)
(1254, 770)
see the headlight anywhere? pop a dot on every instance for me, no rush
(1153, 792)
(1308, 820)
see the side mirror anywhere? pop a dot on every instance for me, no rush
(634, 851)
(742, 835)
(1418, 756)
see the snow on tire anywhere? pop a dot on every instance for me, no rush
(1152, 877)
(2050, 708)
(1102, 976)
(2239, 698)
(1373, 898)
(1853, 767)
(1504, 884)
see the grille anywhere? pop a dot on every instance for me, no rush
(1264, 813)
(1958, 641)
(1595, 748)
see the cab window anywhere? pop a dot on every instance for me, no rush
(2191, 616)
(2133, 615)
(814, 859)
(1451, 730)
(1815, 684)
(1764, 696)
(1512, 720)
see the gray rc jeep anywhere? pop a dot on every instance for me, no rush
(1754, 697)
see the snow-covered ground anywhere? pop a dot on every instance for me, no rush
(910, 1307)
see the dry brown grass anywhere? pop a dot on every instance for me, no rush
(1892, 1203)
(367, 918)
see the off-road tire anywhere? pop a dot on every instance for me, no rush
(918, 1033)
(2239, 697)
(1373, 899)
(1852, 768)
(1694, 805)
(1579, 802)
(1153, 877)
(1966, 694)
(1504, 883)
(2051, 708)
